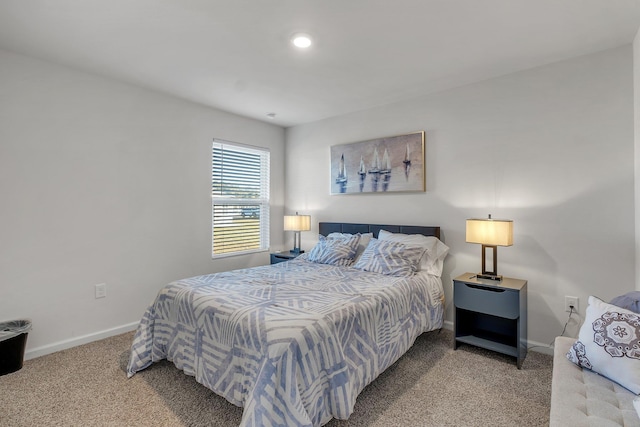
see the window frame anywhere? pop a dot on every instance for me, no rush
(228, 208)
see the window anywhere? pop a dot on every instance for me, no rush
(240, 199)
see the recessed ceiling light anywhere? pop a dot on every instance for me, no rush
(301, 40)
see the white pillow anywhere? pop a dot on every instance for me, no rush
(433, 259)
(609, 343)
(362, 243)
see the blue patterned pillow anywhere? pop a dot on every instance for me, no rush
(390, 258)
(630, 301)
(335, 251)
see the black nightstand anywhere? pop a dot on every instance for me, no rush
(277, 257)
(491, 314)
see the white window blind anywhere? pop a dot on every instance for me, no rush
(240, 199)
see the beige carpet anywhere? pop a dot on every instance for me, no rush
(431, 385)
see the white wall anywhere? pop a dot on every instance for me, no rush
(102, 182)
(550, 148)
(636, 133)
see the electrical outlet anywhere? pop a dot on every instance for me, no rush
(101, 290)
(570, 301)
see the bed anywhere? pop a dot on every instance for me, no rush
(294, 343)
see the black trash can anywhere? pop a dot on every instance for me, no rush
(13, 340)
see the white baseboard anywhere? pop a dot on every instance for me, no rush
(74, 342)
(540, 347)
(85, 339)
(531, 345)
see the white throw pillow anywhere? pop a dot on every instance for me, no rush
(609, 343)
(433, 259)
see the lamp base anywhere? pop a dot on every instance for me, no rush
(495, 277)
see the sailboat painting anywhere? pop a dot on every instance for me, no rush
(382, 165)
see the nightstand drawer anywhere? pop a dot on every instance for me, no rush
(277, 257)
(491, 300)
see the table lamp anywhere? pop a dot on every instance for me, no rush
(297, 223)
(490, 233)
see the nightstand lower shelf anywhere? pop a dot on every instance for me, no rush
(488, 344)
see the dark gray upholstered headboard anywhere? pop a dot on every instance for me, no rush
(342, 227)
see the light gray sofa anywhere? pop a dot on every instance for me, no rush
(580, 397)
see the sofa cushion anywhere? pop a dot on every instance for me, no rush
(581, 398)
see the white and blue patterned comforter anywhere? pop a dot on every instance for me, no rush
(293, 343)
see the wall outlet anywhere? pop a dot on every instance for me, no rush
(570, 301)
(101, 290)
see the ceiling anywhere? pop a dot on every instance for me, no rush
(235, 55)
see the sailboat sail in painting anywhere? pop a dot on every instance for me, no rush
(401, 168)
(386, 170)
(407, 162)
(386, 163)
(375, 164)
(362, 171)
(375, 170)
(342, 180)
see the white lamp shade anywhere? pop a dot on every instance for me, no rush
(491, 232)
(297, 222)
